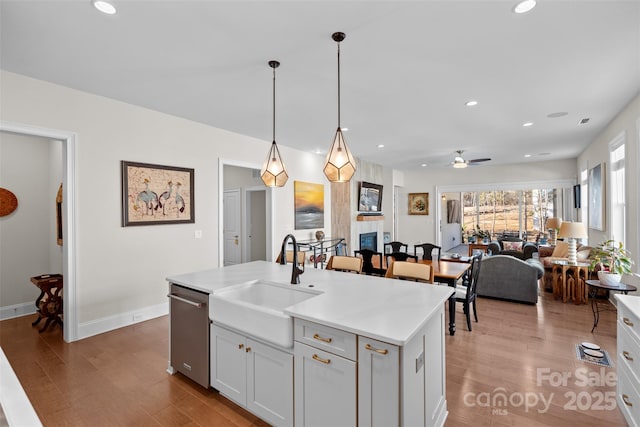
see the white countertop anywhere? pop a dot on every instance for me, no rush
(385, 309)
(632, 302)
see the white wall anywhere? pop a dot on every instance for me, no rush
(414, 229)
(627, 122)
(28, 235)
(123, 270)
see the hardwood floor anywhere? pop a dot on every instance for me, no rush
(119, 378)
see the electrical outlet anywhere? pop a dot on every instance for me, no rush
(197, 234)
(420, 362)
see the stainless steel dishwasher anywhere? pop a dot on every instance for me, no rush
(189, 323)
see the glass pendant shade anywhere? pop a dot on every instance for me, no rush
(339, 165)
(273, 173)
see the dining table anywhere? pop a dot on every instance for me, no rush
(448, 272)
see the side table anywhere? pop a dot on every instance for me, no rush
(49, 303)
(569, 281)
(594, 286)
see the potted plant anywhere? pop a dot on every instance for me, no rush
(611, 260)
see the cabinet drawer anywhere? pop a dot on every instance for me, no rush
(629, 351)
(630, 321)
(326, 338)
(628, 397)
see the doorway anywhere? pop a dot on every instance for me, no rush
(68, 141)
(246, 206)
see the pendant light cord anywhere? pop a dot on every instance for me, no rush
(339, 85)
(274, 104)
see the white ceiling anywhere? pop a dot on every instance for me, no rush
(407, 69)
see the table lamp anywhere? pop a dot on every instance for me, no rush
(573, 231)
(553, 224)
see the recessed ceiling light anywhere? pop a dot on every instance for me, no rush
(471, 103)
(380, 145)
(344, 129)
(557, 114)
(527, 155)
(527, 124)
(104, 7)
(524, 6)
(424, 165)
(318, 151)
(584, 121)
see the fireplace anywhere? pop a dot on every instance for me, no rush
(369, 241)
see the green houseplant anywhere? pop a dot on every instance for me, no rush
(610, 257)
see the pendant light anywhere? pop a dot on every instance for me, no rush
(273, 173)
(339, 165)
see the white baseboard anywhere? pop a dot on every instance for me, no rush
(106, 324)
(17, 310)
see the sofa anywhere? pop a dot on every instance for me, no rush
(514, 247)
(509, 278)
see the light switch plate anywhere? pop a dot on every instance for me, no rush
(420, 361)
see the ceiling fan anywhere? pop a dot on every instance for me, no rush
(459, 162)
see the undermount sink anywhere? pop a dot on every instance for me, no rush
(256, 308)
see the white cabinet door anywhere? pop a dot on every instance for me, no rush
(228, 364)
(378, 383)
(325, 388)
(270, 383)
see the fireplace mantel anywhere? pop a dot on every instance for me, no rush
(370, 218)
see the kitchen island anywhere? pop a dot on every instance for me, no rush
(363, 351)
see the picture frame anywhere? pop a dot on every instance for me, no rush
(157, 194)
(308, 205)
(597, 201)
(418, 203)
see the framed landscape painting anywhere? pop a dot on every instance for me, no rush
(597, 197)
(309, 205)
(156, 194)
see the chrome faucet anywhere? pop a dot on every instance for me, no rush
(297, 271)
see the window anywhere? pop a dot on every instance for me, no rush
(618, 188)
(515, 213)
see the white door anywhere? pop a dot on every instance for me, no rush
(232, 223)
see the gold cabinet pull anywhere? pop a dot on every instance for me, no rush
(247, 350)
(627, 356)
(377, 350)
(625, 399)
(319, 338)
(320, 359)
(627, 321)
(240, 346)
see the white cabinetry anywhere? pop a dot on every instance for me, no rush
(254, 375)
(629, 358)
(325, 382)
(378, 383)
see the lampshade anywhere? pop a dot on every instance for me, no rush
(339, 165)
(554, 223)
(577, 230)
(273, 172)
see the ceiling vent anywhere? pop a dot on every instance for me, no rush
(584, 121)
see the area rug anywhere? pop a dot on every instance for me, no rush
(600, 361)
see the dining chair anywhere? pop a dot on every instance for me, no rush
(399, 256)
(405, 270)
(466, 292)
(396, 247)
(427, 250)
(301, 257)
(345, 263)
(368, 268)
